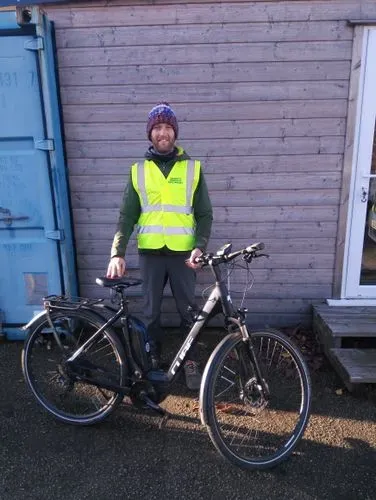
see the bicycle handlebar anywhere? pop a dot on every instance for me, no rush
(224, 255)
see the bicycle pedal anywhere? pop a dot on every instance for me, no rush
(150, 404)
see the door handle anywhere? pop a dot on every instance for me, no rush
(364, 197)
(10, 218)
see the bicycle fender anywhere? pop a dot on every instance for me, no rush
(210, 365)
(34, 320)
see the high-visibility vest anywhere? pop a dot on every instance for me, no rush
(166, 205)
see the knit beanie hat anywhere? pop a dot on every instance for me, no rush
(162, 113)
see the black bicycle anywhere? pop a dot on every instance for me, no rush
(255, 392)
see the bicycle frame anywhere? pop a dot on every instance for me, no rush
(219, 294)
(234, 384)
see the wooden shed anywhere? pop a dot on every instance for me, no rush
(275, 98)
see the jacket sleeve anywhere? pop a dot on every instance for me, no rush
(203, 213)
(129, 214)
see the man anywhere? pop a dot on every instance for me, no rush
(168, 201)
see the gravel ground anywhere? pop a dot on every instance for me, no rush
(128, 456)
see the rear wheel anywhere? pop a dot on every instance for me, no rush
(56, 385)
(247, 428)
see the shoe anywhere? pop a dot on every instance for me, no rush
(192, 375)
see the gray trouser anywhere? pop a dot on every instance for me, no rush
(156, 270)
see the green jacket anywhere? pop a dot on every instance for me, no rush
(130, 209)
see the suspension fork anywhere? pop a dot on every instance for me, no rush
(238, 321)
(251, 357)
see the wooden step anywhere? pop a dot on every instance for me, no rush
(348, 311)
(354, 366)
(341, 321)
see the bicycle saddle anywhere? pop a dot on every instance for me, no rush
(118, 282)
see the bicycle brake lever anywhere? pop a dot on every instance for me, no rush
(250, 257)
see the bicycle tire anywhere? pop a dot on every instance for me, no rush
(252, 433)
(69, 400)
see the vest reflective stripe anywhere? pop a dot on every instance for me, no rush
(167, 208)
(164, 230)
(141, 186)
(190, 178)
(166, 205)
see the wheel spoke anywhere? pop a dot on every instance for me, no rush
(54, 383)
(248, 428)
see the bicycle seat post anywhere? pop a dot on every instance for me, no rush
(119, 298)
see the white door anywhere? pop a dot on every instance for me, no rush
(360, 265)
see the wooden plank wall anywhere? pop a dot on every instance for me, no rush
(260, 90)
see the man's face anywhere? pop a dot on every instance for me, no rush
(163, 138)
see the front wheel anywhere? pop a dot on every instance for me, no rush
(59, 390)
(252, 429)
